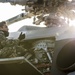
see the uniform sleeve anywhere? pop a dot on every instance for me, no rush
(2, 36)
(10, 47)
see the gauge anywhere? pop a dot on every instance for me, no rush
(41, 49)
(44, 44)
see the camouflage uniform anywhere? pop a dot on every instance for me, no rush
(10, 48)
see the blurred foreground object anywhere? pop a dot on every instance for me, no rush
(40, 8)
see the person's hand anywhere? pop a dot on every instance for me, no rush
(21, 36)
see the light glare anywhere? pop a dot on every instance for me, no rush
(72, 23)
(70, 0)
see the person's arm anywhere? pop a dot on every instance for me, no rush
(2, 36)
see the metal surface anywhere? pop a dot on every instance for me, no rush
(44, 32)
(19, 60)
(11, 60)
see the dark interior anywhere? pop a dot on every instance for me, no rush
(63, 57)
(18, 69)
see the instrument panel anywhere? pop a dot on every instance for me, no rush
(43, 50)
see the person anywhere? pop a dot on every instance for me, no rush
(9, 47)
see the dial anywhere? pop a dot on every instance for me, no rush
(44, 44)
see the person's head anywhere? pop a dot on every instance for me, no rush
(4, 28)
